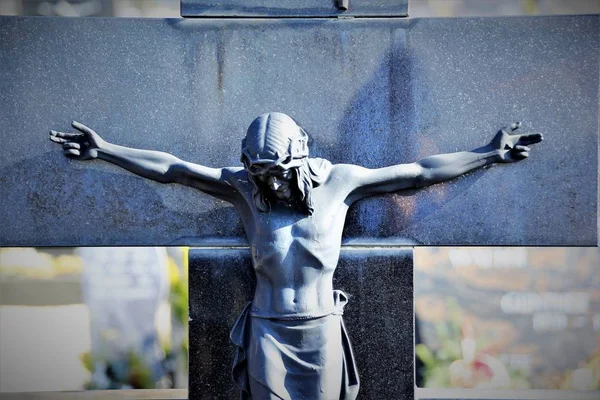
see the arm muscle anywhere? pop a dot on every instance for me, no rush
(428, 171)
(166, 168)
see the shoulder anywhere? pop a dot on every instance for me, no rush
(235, 176)
(320, 169)
(233, 171)
(345, 177)
(236, 180)
(346, 170)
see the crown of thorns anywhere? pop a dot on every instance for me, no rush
(296, 151)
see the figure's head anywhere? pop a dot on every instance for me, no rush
(275, 152)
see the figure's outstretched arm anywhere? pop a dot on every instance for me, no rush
(155, 165)
(504, 148)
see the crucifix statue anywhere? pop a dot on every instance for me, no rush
(291, 341)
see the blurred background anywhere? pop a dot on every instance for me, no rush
(116, 318)
(417, 8)
(508, 318)
(93, 318)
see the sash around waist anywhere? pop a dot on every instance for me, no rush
(241, 334)
(340, 299)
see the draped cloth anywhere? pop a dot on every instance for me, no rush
(305, 358)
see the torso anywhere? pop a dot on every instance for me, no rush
(294, 254)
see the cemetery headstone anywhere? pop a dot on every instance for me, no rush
(123, 288)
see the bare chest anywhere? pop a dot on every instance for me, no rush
(285, 236)
(282, 227)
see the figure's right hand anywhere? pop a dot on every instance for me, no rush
(81, 146)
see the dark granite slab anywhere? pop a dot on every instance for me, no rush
(292, 8)
(373, 92)
(379, 318)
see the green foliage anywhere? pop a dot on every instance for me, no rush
(179, 301)
(86, 360)
(127, 371)
(139, 374)
(437, 360)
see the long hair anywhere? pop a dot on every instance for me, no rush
(310, 174)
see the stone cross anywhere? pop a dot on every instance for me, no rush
(371, 91)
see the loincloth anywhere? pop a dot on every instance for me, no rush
(293, 357)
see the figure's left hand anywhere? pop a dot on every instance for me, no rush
(514, 148)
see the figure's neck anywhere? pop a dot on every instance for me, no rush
(291, 203)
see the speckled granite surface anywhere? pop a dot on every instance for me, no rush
(370, 92)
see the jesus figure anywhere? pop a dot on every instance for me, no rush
(291, 341)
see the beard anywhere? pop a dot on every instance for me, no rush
(296, 195)
(284, 194)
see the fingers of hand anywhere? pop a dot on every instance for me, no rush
(72, 152)
(71, 145)
(531, 138)
(82, 128)
(520, 152)
(63, 135)
(521, 155)
(56, 139)
(507, 130)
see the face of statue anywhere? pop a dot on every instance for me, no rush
(274, 151)
(277, 179)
